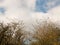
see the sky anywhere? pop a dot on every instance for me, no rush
(28, 9)
(45, 5)
(40, 5)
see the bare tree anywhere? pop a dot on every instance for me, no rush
(47, 33)
(10, 34)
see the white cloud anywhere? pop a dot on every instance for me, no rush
(17, 8)
(55, 11)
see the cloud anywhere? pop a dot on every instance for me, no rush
(55, 11)
(55, 14)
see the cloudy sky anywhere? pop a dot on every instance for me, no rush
(29, 8)
(45, 5)
(40, 5)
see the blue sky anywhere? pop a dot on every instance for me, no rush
(2, 10)
(45, 5)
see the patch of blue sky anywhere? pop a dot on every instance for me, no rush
(45, 5)
(2, 10)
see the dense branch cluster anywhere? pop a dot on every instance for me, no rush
(10, 34)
